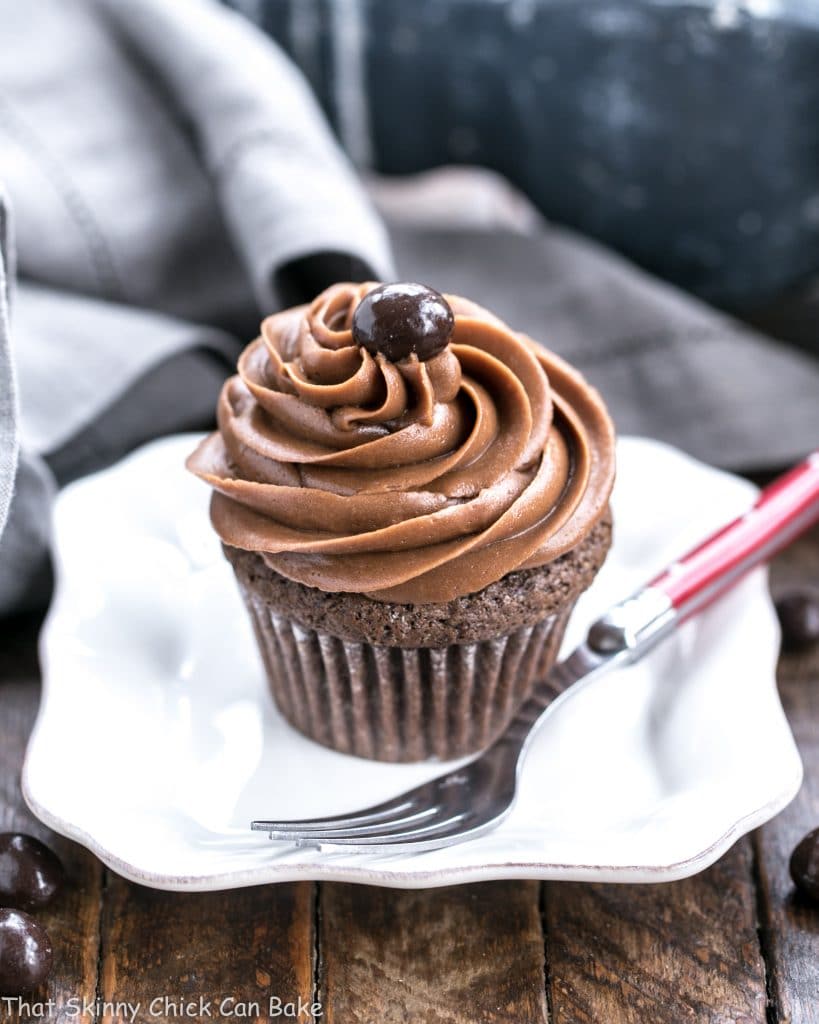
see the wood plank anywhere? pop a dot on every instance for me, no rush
(247, 946)
(673, 953)
(468, 954)
(72, 921)
(790, 927)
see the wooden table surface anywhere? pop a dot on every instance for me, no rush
(731, 945)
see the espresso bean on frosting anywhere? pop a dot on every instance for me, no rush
(399, 319)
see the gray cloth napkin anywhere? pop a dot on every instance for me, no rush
(172, 180)
(8, 392)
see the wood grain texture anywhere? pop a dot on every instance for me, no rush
(790, 926)
(72, 921)
(468, 954)
(681, 953)
(246, 946)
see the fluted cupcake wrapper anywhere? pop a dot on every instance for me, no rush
(401, 704)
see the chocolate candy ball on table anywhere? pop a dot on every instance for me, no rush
(30, 874)
(798, 612)
(25, 953)
(30, 877)
(804, 866)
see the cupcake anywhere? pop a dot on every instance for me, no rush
(412, 496)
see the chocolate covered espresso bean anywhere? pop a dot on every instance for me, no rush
(30, 874)
(25, 953)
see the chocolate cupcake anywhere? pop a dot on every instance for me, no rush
(412, 497)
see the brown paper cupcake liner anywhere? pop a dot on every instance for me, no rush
(401, 703)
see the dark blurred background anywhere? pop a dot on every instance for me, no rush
(686, 136)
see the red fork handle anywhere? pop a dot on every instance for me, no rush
(783, 510)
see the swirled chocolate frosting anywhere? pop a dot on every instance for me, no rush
(413, 481)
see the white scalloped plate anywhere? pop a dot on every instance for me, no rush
(157, 743)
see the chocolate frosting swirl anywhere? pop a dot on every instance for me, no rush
(412, 482)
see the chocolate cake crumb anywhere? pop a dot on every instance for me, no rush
(521, 598)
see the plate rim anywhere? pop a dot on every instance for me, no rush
(317, 872)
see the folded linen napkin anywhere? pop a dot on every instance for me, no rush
(171, 180)
(171, 177)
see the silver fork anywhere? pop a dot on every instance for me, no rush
(476, 797)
